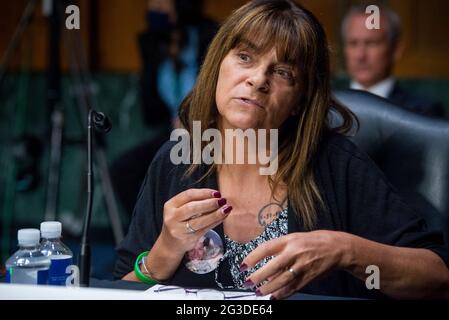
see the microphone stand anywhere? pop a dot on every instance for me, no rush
(102, 124)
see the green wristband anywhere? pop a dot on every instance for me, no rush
(139, 274)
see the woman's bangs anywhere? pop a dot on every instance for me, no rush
(265, 31)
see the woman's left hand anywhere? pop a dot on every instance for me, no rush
(298, 259)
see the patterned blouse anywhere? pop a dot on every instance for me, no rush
(236, 252)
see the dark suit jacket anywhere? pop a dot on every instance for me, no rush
(411, 102)
(415, 103)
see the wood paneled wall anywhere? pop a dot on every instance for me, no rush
(425, 29)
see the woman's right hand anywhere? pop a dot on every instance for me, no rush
(201, 209)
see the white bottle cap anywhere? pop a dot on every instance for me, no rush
(51, 229)
(28, 237)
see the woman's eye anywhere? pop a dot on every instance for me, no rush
(284, 73)
(244, 57)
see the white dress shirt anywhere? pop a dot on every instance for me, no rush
(382, 88)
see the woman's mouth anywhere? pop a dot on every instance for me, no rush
(251, 102)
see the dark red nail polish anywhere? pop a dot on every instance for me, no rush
(248, 283)
(227, 209)
(258, 293)
(216, 194)
(243, 267)
(222, 202)
(273, 298)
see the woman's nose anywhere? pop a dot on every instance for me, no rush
(259, 79)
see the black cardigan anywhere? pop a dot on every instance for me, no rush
(358, 198)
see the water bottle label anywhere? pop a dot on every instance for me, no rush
(27, 276)
(57, 273)
(42, 276)
(8, 275)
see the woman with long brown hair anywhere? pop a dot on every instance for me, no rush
(316, 222)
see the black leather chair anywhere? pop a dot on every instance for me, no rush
(412, 150)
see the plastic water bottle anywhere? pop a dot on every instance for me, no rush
(28, 265)
(60, 255)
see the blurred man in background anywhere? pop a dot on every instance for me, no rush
(370, 57)
(172, 48)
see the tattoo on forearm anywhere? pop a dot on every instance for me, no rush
(268, 213)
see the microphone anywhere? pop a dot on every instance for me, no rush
(102, 124)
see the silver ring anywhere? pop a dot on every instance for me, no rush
(293, 272)
(189, 228)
